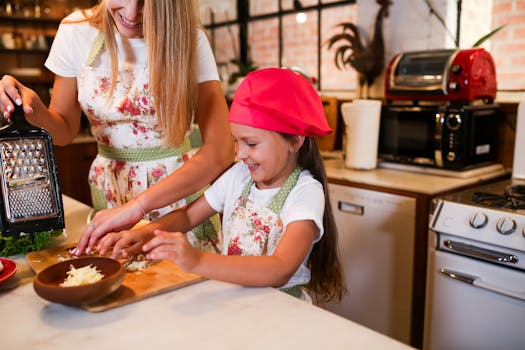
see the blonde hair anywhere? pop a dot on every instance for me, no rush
(170, 30)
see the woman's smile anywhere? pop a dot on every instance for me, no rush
(129, 24)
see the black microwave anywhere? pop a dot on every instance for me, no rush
(441, 136)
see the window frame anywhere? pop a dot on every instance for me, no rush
(244, 18)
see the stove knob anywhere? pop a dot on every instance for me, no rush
(478, 220)
(506, 226)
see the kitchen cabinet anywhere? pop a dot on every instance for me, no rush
(73, 162)
(27, 30)
(376, 232)
(401, 243)
(24, 45)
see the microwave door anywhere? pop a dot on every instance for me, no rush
(407, 135)
(438, 137)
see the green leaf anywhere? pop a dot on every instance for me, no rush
(486, 37)
(26, 243)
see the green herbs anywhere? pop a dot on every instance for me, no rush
(26, 243)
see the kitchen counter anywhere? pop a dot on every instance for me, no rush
(405, 181)
(206, 315)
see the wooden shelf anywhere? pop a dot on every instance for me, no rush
(45, 77)
(19, 18)
(24, 51)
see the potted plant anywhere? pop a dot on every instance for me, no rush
(242, 70)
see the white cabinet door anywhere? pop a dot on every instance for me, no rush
(376, 240)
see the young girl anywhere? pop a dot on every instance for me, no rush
(278, 228)
(141, 71)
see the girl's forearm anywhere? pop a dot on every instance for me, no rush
(250, 271)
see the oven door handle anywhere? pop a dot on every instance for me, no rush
(478, 282)
(479, 252)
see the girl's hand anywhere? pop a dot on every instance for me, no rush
(173, 246)
(124, 243)
(12, 90)
(109, 220)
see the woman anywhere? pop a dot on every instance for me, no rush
(141, 71)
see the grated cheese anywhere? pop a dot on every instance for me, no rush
(81, 276)
(136, 263)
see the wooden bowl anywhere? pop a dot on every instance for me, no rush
(47, 282)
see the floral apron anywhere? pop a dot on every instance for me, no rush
(255, 230)
(131, 156)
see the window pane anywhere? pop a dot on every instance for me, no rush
(262, 7)
(300, 43)
(263, 42)
(288, 4)
(332, 78)
(225, 43)
(307, 3)
(216, 11)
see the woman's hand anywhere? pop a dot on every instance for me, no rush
(11, 90)
(173, 246)
(109, 220)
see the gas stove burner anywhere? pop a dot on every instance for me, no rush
(515, 191)
(513, 198)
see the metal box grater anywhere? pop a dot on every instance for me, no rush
(30, 198)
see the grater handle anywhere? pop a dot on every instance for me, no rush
(18, 119)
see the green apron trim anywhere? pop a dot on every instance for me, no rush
(276, 206)
(95, 49)
(278, 200)
(209, 229)
(143, 154)
(295, 291)
(98, 198)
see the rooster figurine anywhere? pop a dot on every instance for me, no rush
(367, 60)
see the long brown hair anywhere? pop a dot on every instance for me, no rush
(327, 281)
(170, 31)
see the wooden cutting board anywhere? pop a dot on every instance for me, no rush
(160, 277)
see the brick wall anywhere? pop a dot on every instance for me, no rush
(508, 46)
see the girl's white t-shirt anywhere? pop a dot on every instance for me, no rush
(73, 42)
(305, 202)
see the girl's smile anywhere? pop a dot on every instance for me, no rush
(270, 158)
(252, 167)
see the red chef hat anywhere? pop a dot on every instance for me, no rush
(279, 100)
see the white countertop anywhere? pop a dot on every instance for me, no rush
(207, 315)
(404, 180)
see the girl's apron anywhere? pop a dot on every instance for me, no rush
(255, 230)
(131, 156)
